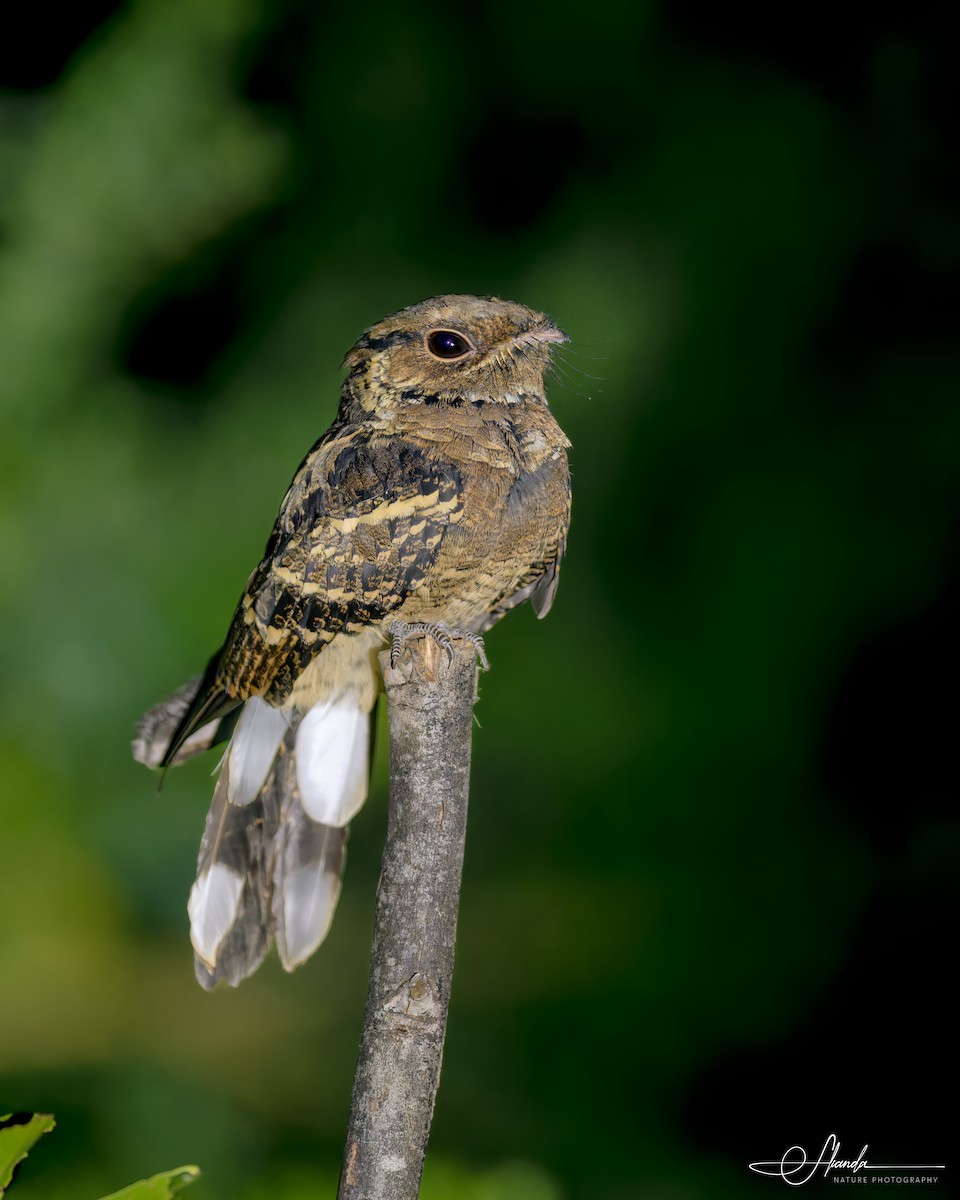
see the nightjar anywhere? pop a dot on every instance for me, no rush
(441, 493)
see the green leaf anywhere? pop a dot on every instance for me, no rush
(157, 1187)
(16, 1142)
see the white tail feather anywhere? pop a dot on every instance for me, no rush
(213, 907)
(253, 748)
(309, 901)
(333, 747)
(273, 846)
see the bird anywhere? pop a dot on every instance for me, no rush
(438, 500)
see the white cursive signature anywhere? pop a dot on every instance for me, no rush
(795, 1168)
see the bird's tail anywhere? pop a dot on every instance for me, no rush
(273, 848)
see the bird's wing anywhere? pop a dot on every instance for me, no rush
(358, 531)
(538, 583)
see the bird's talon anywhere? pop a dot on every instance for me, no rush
(440, 633)
(477, 642)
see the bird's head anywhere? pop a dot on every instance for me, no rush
(451, 349)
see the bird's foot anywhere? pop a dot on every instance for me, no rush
(442, 634)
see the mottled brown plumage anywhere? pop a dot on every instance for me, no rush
(441, 493)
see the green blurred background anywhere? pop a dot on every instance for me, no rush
(710, 887)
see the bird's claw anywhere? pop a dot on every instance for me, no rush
(441, 634)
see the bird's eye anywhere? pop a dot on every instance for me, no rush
(447, 343)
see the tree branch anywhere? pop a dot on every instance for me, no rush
(398, 1070)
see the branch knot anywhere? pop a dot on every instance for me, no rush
(418, 1000)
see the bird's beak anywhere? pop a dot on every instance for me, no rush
(541, 333)
(550, 333)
